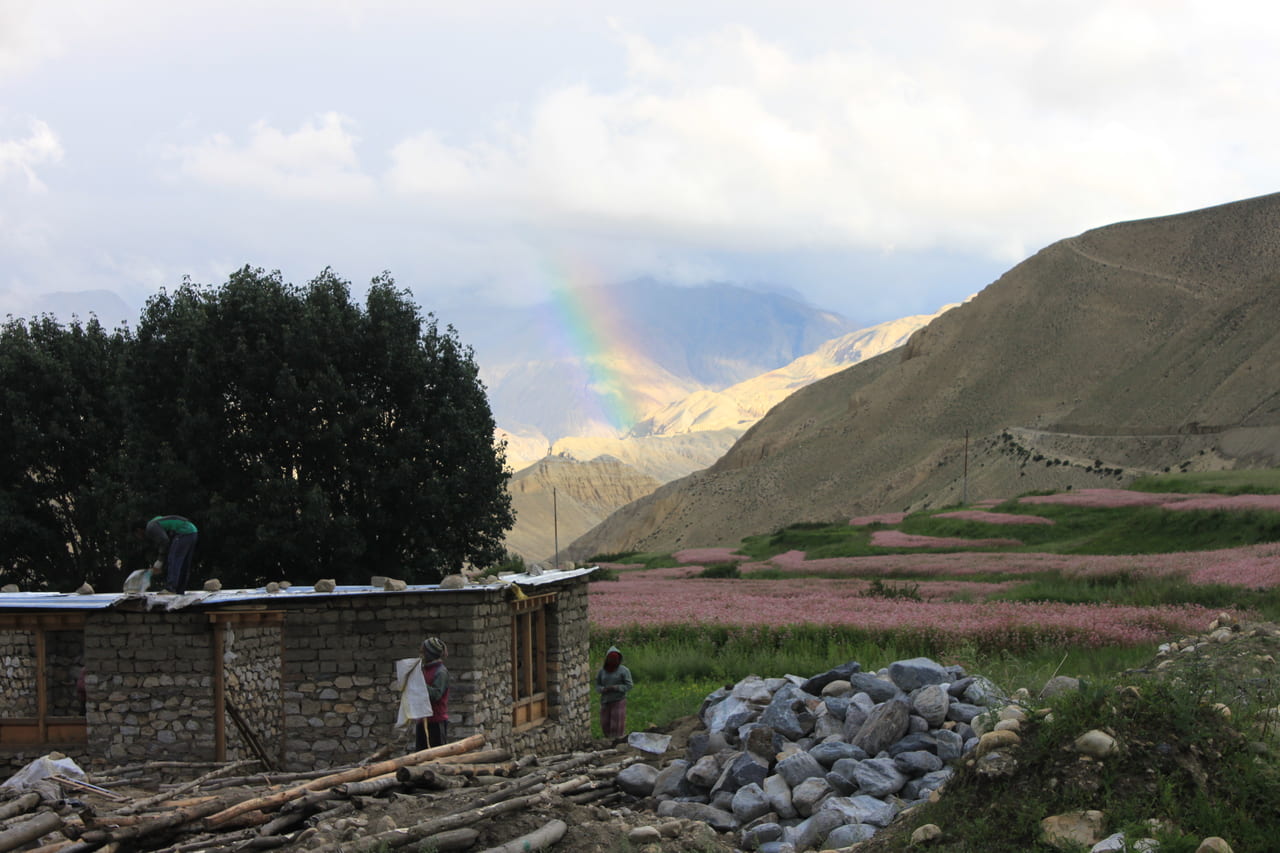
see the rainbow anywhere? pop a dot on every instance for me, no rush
(592, 332)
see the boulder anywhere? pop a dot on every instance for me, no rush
(931, 702)
(914, 673)
(749, 802)
(915, 741)
(779, 794)
(862, 809)
(963, 712)
(983, 691)
(949, 744)
(840, 673)
(879, 777)
(813, 831)
(753, 837)
(848, 835)
(1058, 685)
(799, 767)
(781, 714)
(879, 689)
(884, 726)
(829, 752)
(671, 781)
(637, 780)
(807, 796)
(917, 762)
(717, 819)
(1073, 828)
(704, 772)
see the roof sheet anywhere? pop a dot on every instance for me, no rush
(102, 600)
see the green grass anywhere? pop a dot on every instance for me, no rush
(1257, 482)
(1123, 588)
(676, 667)
(644, 559)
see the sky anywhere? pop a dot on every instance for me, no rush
(875, 159)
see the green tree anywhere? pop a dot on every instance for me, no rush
(310, 438)
(60, 435)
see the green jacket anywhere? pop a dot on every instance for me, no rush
(613, 686)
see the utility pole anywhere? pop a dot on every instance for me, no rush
(964, 488)
(555, 528)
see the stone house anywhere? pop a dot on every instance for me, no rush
(298, 678)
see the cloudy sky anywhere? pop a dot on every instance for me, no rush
(880, 159)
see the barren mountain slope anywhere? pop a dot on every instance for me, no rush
(1151, 343)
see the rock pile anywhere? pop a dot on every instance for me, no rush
(796, 764)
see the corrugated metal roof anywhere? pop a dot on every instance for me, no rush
(102, 600)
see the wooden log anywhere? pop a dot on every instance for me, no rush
(145, 804)
(21, 805)
(29, 830)
(55, 847)
(545, 836)
(169, 821)
(368, 786)
(274, 801)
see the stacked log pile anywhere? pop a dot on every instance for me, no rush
(460, 785)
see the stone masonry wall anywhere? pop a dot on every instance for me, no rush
(18, 669)
(252, 671)
(339, 691)
(150, 686)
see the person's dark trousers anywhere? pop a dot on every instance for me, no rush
(431, 734)
(182, 549)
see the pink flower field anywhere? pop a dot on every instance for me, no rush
(994, 517)
(898, 539)
(707, 555)
(639, 599)
(1233, 502)
(1107, 498)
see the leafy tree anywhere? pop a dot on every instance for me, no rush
(310, 438)
(60, 433)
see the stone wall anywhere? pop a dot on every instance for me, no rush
(150, 686)
(317, 687)
(18, 669)
(251, 655)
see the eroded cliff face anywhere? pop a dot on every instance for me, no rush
(1144, 345)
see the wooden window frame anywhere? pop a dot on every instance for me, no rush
(43, 729)
(529, 689)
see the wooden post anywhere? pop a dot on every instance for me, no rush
(42, 687)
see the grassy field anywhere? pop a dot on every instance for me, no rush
(676, 665)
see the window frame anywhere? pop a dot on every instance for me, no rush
(44, 729)
(530, 693)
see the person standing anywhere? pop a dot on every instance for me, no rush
(434, 730)
(613, 682)
(175, 540)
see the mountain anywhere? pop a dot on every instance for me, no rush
(682, 438)
(597, 360)
(1133, 348)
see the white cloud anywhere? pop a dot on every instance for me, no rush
(316, 162)
(20, 156)
(995, 137)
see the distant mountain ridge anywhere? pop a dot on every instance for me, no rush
(681, 438)
(1128, 349)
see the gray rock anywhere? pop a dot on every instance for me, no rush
(862, 809)
(828, 725)
(837, 705)
(985, 692)
(914, 673)
(781, 713)
(752, 689)
(727, 714)
(717, 819)
(1059, 684)
(877, 688)
(854, 716)
(671, 782)
(761, 741)
(957, 688)
(839, 687)
(777, 847)
(917, 763)
(915, 741)
(799, 767)
(842, 785)
(704, 772)
(885, 725)
(931, 703)
(779, 794)
(949, 744)
(753, 837)
(848, 835)
(749, 802)
(650, 742)
(809, 794)
(840, 673)
(879, 777)
(810, 833)
(963, 712)
(917, 724)
(723, 800)
(829, 752)
(637, 780)
(918, 789)
(743, 769)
